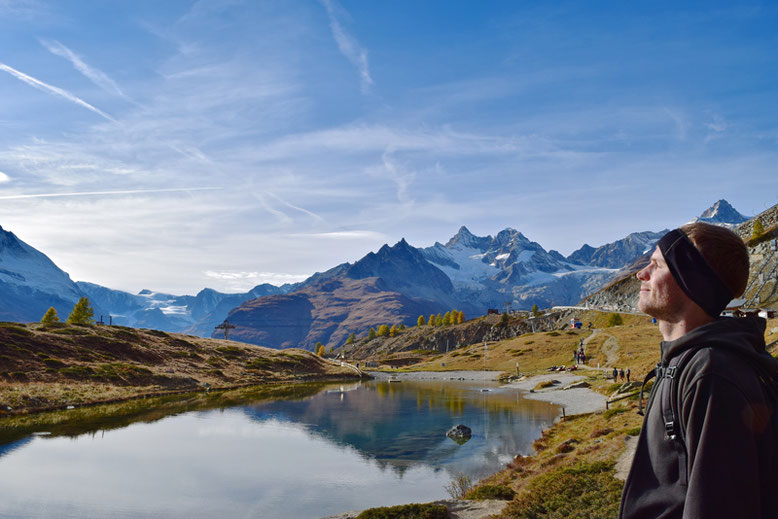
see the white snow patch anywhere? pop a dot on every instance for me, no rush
(501, 257)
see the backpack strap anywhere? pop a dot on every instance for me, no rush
(651, 374)
(669, 408)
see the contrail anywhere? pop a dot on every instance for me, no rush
(349, 47)
(93, 193)
(96, 76)
(40, 85)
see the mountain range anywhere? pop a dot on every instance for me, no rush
(395, 284)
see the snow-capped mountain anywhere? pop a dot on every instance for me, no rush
(393, 285)
(619, 253)
(30, 283)
(192, 314)
(490, 272)
(722, 213)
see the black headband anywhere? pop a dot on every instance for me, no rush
(693, 274)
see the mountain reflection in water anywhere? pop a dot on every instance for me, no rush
(399, 425)
(311, 455)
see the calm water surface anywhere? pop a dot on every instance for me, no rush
(345, 448)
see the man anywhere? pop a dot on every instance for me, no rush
(719, 460)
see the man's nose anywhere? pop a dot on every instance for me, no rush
(642, 274)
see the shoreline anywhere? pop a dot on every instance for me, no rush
(581, 400)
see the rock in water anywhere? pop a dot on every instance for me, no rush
(459, 433)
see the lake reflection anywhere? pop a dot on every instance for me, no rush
(346, 448)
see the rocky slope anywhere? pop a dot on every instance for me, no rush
(622, 293)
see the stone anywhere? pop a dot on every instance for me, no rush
(459, 433)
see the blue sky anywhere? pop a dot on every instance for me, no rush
(177, 145)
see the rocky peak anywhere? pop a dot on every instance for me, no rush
(722, 212)
(465, 238)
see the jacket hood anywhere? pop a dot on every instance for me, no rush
(745, 334)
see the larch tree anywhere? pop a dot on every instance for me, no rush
(393, 331)
(82, 313)
(371, 334)
(383, 330)
(50, 317)
(420, 321)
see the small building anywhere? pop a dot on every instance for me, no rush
(492, 311)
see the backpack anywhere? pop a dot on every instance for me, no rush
(668, 403)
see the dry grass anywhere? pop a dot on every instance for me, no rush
(47, 368)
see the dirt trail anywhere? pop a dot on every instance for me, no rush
(611, 349)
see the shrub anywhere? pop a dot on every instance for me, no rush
(585, 490)
(230, 351)
(491, 492)
(77, 371)
(54, 363)
(412, 511)
(615, 319)
(459, 486)
(634, 431)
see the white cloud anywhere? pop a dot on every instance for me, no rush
(346, 235)
(4, 177)
(96, 76)
(40, 85)
(349, 46)
(104, 193)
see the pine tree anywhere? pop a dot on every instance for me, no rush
(383, 330)
(371, 334)
(534, 310)
(438, 320)
(351, 339)
(431, 320)
(393, 331)
(446, 318)
(50, 317)
(400, 327)
(82, 313)
(420, 321)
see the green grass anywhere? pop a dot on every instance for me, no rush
(491, 492)
(412, 511)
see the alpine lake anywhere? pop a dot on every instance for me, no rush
(303, 451)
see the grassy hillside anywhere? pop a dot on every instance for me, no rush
(52, 367)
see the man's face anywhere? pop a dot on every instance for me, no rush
(660, 295)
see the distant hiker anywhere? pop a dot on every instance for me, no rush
(621, 374)
(615, 374)
(627, 373)
(589, 325)
(707, 447)
(582, 357)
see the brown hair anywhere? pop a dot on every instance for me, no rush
(724, 251)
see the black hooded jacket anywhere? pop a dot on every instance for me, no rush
(725, 420)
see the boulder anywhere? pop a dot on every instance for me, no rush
(459, 433)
